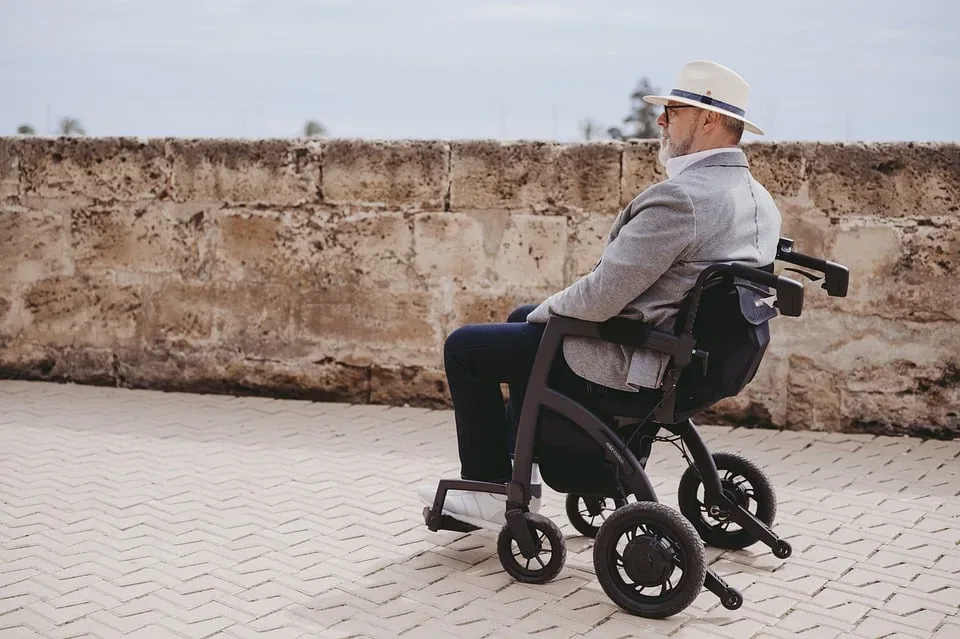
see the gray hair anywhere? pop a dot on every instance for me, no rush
(733, 126)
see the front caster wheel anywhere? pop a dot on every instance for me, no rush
(649, 560)
(551, 551)
(782, 550)
(732, 600)
(588, 513)
(744, 484)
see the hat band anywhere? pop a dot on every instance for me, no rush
(708, 101)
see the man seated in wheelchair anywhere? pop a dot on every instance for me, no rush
(709, 210)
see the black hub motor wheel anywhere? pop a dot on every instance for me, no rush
(744, 484)
(587, 513)
(551, 551)
(649, 560)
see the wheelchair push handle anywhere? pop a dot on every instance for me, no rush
(789, 292)
(836, 276)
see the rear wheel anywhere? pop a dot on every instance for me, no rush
(587, 513)
(744, 484)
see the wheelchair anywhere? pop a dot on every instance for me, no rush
(649, 559)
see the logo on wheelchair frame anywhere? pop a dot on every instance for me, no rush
(615, 452)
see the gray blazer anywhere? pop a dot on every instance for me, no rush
(713, 211)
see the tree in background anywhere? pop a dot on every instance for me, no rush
(26, 129)
(590, 128)
(314, 129)
(71, 126)
(642, 119)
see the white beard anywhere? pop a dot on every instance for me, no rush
(665, 151)
(669, 150)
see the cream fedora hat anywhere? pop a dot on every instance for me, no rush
(711, 86)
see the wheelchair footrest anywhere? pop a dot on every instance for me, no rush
(445, 522)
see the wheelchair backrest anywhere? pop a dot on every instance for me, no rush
(732, 326)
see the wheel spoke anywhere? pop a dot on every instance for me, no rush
(540, 561)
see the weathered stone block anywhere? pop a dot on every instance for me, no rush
(763, 402)
(871, 249)
(811, 231)
(813, 395)
(901, 272)
(778, 166)
(193, 369)
(104, 169)
(363, 247)
(149, 238)
(247, 245)
(589, 176)
(641, 169)
(503, 176)
(902, 397)
(413, 385)
(360, 321)
(10, 321)
(53, 363)
(587, 239)
(33, 245)
(9, 169)
(483, 307)
(892, 180)
(449, 245)
(395, 175)
(273, 172)
(247, 318)
(317, 248)
(74, 311)
(532, 252)
(179, 311)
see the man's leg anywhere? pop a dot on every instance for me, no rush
(477, 359)
(517, 389)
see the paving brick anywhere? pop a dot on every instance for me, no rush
(136, 513)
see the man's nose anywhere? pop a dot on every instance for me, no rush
(662, 119)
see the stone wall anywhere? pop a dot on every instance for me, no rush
(333, 270)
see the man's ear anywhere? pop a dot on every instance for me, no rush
(711, 121)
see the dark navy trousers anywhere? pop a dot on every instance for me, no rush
(478, 358)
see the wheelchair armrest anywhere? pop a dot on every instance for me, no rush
(836, 276)
(618, 330)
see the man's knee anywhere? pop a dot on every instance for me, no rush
(456, 343)
(520, 313)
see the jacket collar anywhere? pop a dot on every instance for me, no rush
(712, 157)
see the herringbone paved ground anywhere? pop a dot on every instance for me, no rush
(131, 513)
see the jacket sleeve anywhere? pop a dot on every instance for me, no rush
(662, 227)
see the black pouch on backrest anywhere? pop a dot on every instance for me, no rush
(732, 326)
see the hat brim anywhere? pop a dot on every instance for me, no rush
(663, 100)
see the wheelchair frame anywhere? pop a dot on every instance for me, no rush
(682, 350)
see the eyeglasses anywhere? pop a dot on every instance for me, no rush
(666, 110)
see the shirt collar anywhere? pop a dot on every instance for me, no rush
(676, 166)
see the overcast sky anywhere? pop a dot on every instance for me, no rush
(453, 69)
